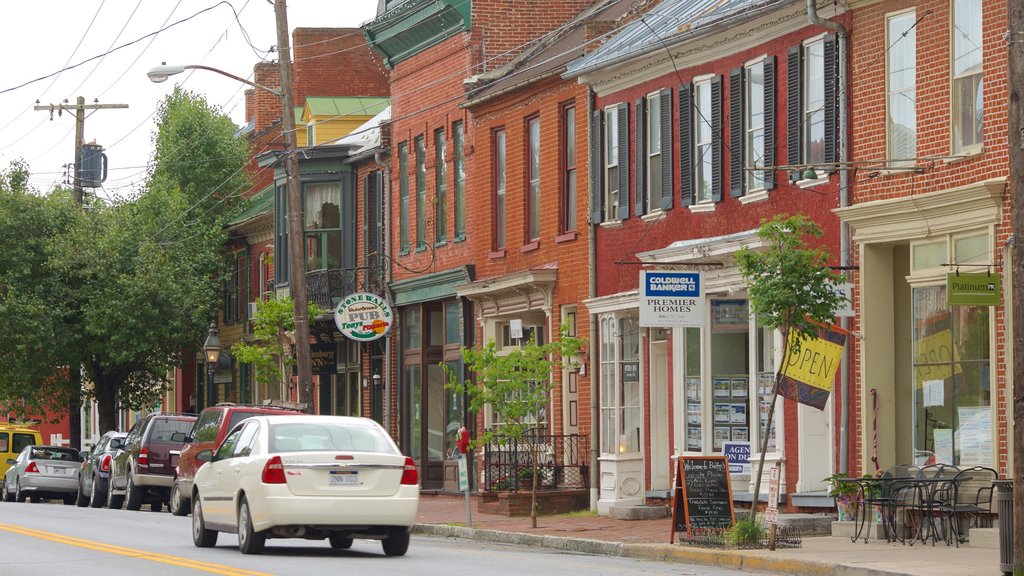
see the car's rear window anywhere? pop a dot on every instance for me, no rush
(52, 453)
(240, 415)
(163, 428)
(309, 437)
(21, 440)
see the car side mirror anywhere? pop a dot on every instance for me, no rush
(84, 454)
(12, 461)
(179, 437)
(204, 455)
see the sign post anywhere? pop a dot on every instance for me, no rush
(463, 444)
(771, 515)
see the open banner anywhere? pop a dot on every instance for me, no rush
(810, 372)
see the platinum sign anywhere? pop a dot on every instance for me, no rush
(671, 298)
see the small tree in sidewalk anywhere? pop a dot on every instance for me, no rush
(517, 386)
(791, 289)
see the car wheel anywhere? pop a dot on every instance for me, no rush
(94, 495)
(132, 495)
(201, 537)
(114, 502)
(177, 503)
(35, 499)
(340, 542)
(5, 494)
(18, 496)
(156, 506)
(81, 499)
(249, 540)
(396, 544)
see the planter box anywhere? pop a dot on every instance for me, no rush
(846, 529)
(518, 503)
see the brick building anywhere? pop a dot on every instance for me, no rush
(705, 119)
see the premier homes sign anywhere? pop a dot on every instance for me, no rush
(671, 298)
(363, 317)
(975, 289)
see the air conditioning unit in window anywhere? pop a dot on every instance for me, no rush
(252, 310)
(528, 331)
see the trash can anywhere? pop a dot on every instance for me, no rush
(1004, 499)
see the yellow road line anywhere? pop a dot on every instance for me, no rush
(140, 554)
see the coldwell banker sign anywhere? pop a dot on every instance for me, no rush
(363, 317)
(671, 298)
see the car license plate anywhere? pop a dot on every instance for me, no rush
(344, 477)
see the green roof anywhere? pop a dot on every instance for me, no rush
(346, 105)
(259, 203)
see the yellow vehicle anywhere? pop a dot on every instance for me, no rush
(14, 436)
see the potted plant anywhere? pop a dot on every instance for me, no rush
(846, 494)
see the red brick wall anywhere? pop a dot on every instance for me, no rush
(501, 27)
(335, 62)
(933, 139)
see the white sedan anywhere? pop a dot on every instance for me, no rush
(312, 477)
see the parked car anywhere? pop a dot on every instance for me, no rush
(94, 477)
(142, 469)
(13, 439)
(209, 430)
(311, 477)
(42, 472)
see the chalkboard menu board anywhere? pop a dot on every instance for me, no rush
(702, 494)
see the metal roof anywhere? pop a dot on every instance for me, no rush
(254, 206)
(668, 22)
(346, 105)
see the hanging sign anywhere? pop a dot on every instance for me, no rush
(974, 289)
(808, 373)
(363, 317)
(671, 298)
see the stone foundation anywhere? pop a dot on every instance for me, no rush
(518, 503)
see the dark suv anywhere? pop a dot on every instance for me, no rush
(212, 426)
(142, 469)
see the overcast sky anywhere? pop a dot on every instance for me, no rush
(81, 37)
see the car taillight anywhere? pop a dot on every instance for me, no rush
(105, 463)
(144, 457)
(273, 471)
(32, 468)
(410, 475)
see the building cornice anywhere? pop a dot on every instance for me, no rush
(415, 25)
(513, 293)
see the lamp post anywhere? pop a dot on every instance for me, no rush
(211, 348)
(296, 237)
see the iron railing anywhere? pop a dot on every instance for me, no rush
(562, 462)
(325, 287)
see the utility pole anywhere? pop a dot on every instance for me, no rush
(75, 369)
(296, 239)
(1015, 41)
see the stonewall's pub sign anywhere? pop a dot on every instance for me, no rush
(363, 317)
(974, 289)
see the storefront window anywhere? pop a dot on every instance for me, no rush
(694, 418)
(952, 381)
(609, 443)
(765, 373)
(632, 420)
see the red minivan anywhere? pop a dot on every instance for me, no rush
(212, 426)
(142, 468)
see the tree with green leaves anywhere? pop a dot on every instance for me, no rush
(267, 352)
(517, 385)
(791, 289)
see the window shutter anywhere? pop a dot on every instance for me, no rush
(716, 142)
(665, 100)
(639, 119)
(685, 144)
(736, 180)
(793, 97)
(769, 122)
(369, 209)
(596, 168)
(830, 99)
(623, 161)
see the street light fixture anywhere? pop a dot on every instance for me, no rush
(296, 235)
(212, 350)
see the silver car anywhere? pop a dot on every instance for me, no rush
(42, 472)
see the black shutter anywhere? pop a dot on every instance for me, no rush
(685, 144)
(369, 209)
(769, 122)
(623, 109)
(596, 168)
(665, 100)
(830, 100)
(793, 108)
(639, 119)
(716, 139)
(736, 158)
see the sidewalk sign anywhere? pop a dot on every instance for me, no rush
(702, 494)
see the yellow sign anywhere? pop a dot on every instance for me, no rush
(815, 363)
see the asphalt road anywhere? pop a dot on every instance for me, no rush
(53, 539)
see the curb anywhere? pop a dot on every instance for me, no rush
(734, 559)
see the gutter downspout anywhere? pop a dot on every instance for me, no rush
(386, 196)
(595, 448)
(844, 228)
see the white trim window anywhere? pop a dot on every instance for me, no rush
(814, 102)
(611, 163)
(754, 119)
(653, 150)
(900, 82)
(621, 410)
(966, 92)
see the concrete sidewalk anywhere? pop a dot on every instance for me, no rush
(442, 515)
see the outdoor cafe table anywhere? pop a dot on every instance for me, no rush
(916, 494)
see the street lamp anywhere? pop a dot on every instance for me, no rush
(212, 350)
(296, 260)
